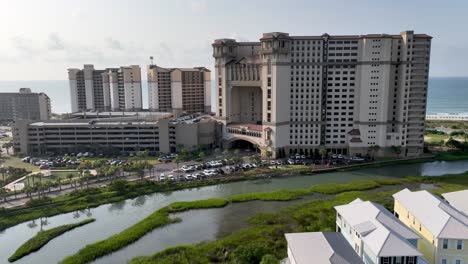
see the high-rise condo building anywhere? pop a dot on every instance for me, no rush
(348, 94)
(179, 89)
(24, 105)
(116, 89)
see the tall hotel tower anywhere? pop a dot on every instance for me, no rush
(179, 89)
(112, 89)
(297, 94)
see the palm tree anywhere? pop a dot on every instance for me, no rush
(143, 155)
(3, 171)
(58, 183)
(7, 147)
(397, 150)
(177, 160)
(201, 155)
(3, 194)
(40, 175)
(373, 149)
(217, 151)
(87, 177)
(322, 152)
(70, 177)
(226, 152)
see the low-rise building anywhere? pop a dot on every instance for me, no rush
(24, 105)
(444, 230)
(376, 235)
(320, 247)
(155, 133)
(459, 200)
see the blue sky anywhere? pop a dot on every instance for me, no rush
(41, 39)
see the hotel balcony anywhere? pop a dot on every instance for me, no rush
(252, 133)
(250, 130)
(245, 74)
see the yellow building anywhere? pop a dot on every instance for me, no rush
(444, 229)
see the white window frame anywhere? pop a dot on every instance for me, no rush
(443, 243)
(462, 244)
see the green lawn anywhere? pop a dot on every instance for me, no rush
(55, 175)
(6, 139)
(63, 174)
(431, 138)
(447, 124)
(17, 163)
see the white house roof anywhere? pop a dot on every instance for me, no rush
(442, 220)
(459, 200)
(323, 248)
(382, 232)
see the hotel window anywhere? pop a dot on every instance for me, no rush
(443, 261)
(269, 81)
(445, 244)
(459, 244)
(458, 261)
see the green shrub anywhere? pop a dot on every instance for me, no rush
(269, 259)
(250, 253)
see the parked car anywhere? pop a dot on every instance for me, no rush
(356, 158)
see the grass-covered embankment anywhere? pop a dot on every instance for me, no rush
(43, 237)
(452, 155)
(157, 219)
(162, 217)
(93, 197)
(265, 236)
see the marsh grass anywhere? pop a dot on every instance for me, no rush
(44, 237)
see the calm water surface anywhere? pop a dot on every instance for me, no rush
(197, 225)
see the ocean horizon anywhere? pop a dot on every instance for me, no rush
(446, 94)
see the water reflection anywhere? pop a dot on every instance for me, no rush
(32, 224)
(197, 225)
(118, 206)
(139, 201)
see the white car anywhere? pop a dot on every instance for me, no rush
(357, 159)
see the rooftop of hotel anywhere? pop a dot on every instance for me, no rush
(382, 232)
(126, 120)
(323, 248)
(441, 219)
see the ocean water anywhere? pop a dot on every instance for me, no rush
(446, 95)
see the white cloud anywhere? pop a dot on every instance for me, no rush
(199, 6)
(24, 46)
(55, 42)
(114, 44)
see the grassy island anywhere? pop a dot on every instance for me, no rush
(43, 237)
(350, 190)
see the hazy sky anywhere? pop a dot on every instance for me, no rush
(40, 39)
